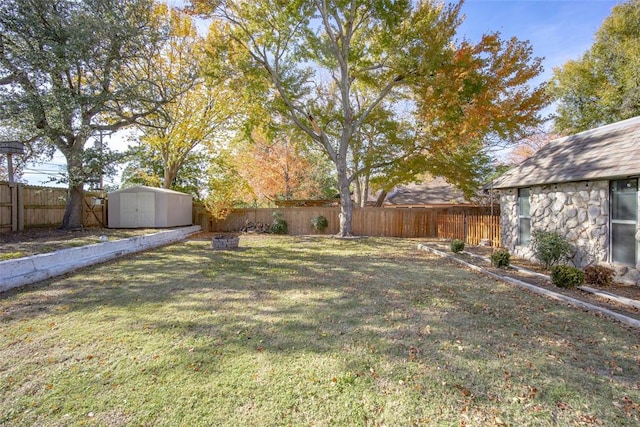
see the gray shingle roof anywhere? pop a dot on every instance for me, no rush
(611, 151)
(435, 191)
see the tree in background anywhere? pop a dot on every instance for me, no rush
(226, 189)
(478, 99)
(70, 69)
(277, 167)
(310, 58)
(383, 139)
(193, 119)
(529, 146)
(144, 166)
(602, 87)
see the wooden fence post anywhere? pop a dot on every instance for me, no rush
(14, 206)
(20, 197)
(464, 226)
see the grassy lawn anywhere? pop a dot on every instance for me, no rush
(306, 331)
(42, 240)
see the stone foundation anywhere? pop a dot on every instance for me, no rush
(224, 243)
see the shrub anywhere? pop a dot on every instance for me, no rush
(457, 246)
(319, 223)
(598, 275)
(566, 276)
(501, 258)
(279, 225)
(550, 247)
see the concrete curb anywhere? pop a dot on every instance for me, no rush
(629, 321)
(24, 271)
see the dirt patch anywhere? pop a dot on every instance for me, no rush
(43, 240)
(619, 289)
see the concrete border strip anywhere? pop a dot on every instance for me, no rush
(550, 294)
(608, 295)
(24, 271)
(515, 267)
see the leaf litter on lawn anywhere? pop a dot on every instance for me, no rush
(306, 331)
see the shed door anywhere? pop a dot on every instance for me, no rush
(137, 210)
(146, 210)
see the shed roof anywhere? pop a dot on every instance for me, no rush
(611, 151)
(138, 188)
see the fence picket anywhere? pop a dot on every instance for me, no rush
(469, 224)
(38, 206)
(44, 207)
(469, 227)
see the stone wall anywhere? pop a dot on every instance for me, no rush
(579, 211)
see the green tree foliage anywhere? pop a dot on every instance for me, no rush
(144, 166)
(69, 69)
(225, 188)
(602, 87)
(34, 150)
(331, 67)
(195, 118)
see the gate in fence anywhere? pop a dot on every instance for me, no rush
(469, 227)
(470, 224)
(28, 206)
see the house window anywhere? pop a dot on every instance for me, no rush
(524, 217)
(624, 222)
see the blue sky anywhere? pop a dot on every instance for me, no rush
(558, 30)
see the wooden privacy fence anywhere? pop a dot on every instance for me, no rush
(469, 227)
(27, 206)
(469, 223)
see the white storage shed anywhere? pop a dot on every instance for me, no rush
(142, 207)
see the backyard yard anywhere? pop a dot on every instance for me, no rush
(306, 331)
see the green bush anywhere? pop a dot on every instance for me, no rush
(550, 247)
(279, 225)
(319, 223)
(566, 276)
(598, 275)
(457, 246)
(501, 258)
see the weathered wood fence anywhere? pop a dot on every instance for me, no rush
(469, 227)
(470, 224)
(27, 206)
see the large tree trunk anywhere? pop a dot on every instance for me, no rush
(73, 210)
(75, 197)
(170, 173)
(365, 191)
(357, 192)
(346, 205)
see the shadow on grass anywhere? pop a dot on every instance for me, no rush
(374, 300)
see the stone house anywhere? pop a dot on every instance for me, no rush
(584, 186)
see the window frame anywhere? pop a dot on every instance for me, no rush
(614, 221)
(522, 217)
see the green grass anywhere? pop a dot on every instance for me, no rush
(306, 331)
(11, 255)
